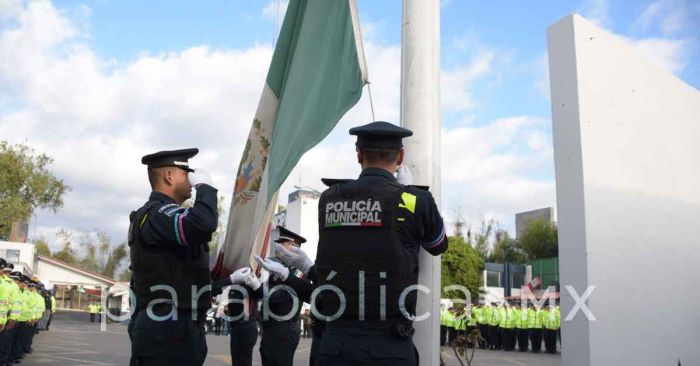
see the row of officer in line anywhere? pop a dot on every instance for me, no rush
(24, 304)
(380, 241)
(504, 326)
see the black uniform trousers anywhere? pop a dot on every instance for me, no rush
(550, 340)
(7, 338)
(167, 342)
(495, 337)
(371, 347)
(451, 335)
(505, 338)
(522, 339)
(244, 334)
(279, 342)
(19, 341)
(443, 335)
(484, 330)
(316, 335)
(536, 339)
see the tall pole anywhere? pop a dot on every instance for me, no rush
(420, 112)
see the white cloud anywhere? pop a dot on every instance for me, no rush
(671, 17)
(597, 11)
(275, 10)
(671, 54)
(97, 117)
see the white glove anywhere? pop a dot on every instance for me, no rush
(404, 175)
(198, 177)
(277, 269)
(294, 257)
(239, 276)
(252, 281)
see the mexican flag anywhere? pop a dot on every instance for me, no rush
(316, 75)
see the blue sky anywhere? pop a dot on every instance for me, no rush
(120, 79)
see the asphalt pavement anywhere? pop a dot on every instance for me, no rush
(74, 341)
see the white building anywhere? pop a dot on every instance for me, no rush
(74, 287)
(301, 217)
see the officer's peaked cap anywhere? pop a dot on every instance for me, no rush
(380, 135)
(286, 234)
(176, 158)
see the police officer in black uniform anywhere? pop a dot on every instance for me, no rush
(242, 312)
(169, 249)
(370, 233)
(280, 337)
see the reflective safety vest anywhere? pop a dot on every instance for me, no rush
(522, 320)
(53, 304)
(549, 320)
(509, 322)
(4, 299)
(444, 318)
(493, 316)
(534, 320)
(502, 316)
(472, 318)
(25, 308)
(15, 298)
(461, 321)
(479, 314)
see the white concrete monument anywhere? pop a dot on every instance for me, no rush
(627, 156)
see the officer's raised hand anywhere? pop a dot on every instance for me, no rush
(404, 175)
(199, 176)
(294, 257)
(277, 269)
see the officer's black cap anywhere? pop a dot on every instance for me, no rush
(380, 135)
(3, 263)
(286, 234)
(176, 158)
(9, 267)
(16, 275)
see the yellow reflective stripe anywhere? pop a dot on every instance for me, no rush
(143, 219)
(409, 202)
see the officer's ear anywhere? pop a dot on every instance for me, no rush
(169, 177)
(359, 155)
(399, 157)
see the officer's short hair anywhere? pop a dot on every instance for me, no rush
(153, 176)
(379, 156)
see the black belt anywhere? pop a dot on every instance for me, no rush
(403, 329)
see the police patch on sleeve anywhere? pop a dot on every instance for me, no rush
(362, 213)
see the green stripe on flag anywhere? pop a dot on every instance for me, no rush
(317, 77)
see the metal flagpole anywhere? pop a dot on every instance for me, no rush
(420, 112)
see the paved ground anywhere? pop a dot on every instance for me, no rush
(73, 341)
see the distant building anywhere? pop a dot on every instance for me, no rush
(74, 287)
(549, 214)
(301, 216)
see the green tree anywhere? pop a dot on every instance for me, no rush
(540, 239)
(42, 248)
(115, 259)
(89, 260)
(481, 240)
(26, 184)
(125, 276)
(461, 265)
(66, 254)
(506, 249)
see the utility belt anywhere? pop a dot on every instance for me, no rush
(163, 309)
(399, 328)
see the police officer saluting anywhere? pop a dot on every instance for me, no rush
(371, 231)
(169, 249)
